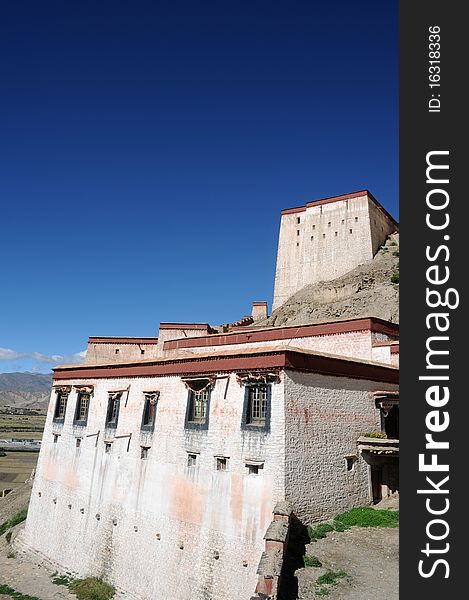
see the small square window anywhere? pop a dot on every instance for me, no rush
(350, 462)
(314, 226)
(144, 451)
(142, 352)
(254, 469)
(56, 438)
(107, 447)
(350, 230)
(329, 224)
(116, 351)
(343, 221)
(191, 460)
(78, 442)
(323, 236)
(356, 219)
(221, 463)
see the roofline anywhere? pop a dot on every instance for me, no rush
(185, 326)
(331, 199)
(121, 340)
(296, 360)
(282, 333)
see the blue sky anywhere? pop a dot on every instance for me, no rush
(148, 148)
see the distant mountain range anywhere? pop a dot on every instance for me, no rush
(25, 390)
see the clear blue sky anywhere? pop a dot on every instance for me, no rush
(148, 147)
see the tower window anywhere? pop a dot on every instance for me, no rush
(329, 224)
(356, 219)
(314, 226)
(298, 220)
(350, 230)
(323, 235)
(116, 351)
(297, 232)
(335, 233)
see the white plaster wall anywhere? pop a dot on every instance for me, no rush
(199, 507)
(381, 226)
(324, 417)
(382, 354)
(324, 248)
(355, 344)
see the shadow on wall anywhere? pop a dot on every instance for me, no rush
(296, 549)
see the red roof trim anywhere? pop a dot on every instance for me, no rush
(332, 199)
(395, 349)
(287, 359)
(121, 340)
(283, 333)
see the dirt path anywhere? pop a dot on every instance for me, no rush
(370, 556)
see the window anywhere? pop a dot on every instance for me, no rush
(83, 404)
(350, 230)
(107, 447)
(298, 220)
(297, 232)
(329, 224)
(312, 237)
(142, 351)
(56, 438)
(323, 235)
(191, 460)
(144, 451)
(350, 462)
(253, 469)
(198, 402)
(112, 415)
(221, 463)
(343, 221)
(78, 442)
(117, 351)
(61, 405)
(149, 410)
(335, 233)
(257, 405)
(356, 219)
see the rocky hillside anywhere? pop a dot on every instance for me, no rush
(25, 390)
(371, 289)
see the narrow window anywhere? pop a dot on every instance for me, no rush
(356, 219)
(191, 460)
(56, 438)
(117, 351)
(312, 237)
(343, 221)
(350, 230)
(329, 224)
(107, 447)
(78, 442)
(298, 244)
(149, 410)
(112, 415)
(60, 406)
(335, 233)
(323, 235)
(144, 451)
(314, 226)
(298, 220)
(257, 405)
(198, 403)
(350, 462)
(297, 232)
(198, 408)
(81, 412)
(221, 463)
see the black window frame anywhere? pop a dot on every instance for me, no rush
(149, 426)
(76, 418)
(246, 423)
(60, 394)
(113, 398)
(190, 422)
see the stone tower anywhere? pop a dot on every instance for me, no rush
(327, 238)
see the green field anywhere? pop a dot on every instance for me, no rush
(16, 467)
